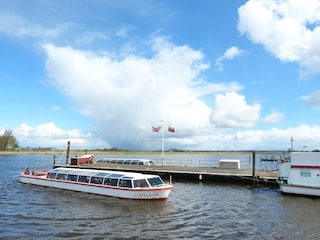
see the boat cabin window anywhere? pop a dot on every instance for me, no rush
(140, 183)
(51, 175)
(72, 177)
(96, 180)
(125, 183)
(126, 161)
(305, 173)
(111, 182)
(61, 176)
(84, 179)
(155, 181)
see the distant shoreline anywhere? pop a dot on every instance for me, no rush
(97, 152)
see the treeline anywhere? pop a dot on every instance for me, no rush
(8, 142)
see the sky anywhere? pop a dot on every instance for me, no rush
(227, 75)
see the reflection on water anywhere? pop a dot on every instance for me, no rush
(193, 211)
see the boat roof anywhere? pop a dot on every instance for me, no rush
(102, 173)
(305, 158)
(86, 156)
(130, 159)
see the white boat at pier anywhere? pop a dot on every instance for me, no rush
(126, 185)
(300, 174)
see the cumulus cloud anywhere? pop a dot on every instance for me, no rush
(90, 36)
(313, 99)
(275, 138)
(125, 97)
(17, 26)
(289, 29)
(274, 117)
(50, 135)
(232, 111)
(229, 54)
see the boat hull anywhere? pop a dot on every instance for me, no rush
(300, 190)
(155, 193)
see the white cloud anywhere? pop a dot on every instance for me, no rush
(14, 25)
(122, 32)
(313, 99)
(288, 29)
(126, 97)
(229, 54)
(277, 139)
(274, 117)
(55, 108)
(89, 37)
(49, 135)
(232, 111)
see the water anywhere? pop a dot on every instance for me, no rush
(193, 211)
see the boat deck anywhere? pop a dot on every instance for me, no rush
(243, 176)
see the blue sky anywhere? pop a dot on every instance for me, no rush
(228, 75)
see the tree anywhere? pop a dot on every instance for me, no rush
(8, 141)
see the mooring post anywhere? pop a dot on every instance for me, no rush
(254, 167)
(54, 160)
(68, 151)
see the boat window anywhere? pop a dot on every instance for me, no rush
(116, 175)
(125, 183)
(155, 181)
(140, 183)
(84, 179)
(61, 176)
(134, 162)
(96, 180)
(126, 161)
(111, 182)
(305, 173)
(72, 177)
(51, 175)
(101, 174)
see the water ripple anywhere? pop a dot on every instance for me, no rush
(193, 211)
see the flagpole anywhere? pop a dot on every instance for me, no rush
(162, 156)
(161, 128)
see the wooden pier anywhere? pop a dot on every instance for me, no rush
(205, 174)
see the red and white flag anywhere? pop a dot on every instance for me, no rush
(156, 129)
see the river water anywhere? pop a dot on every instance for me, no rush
(194, 210)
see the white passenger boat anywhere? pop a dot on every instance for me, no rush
(101, 182)
(130, 161)
(300, 174)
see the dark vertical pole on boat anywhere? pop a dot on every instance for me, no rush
(254, 167)
(68, 151)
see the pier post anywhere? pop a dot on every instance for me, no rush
(254, 167)
(54, 160)
(68, 151)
